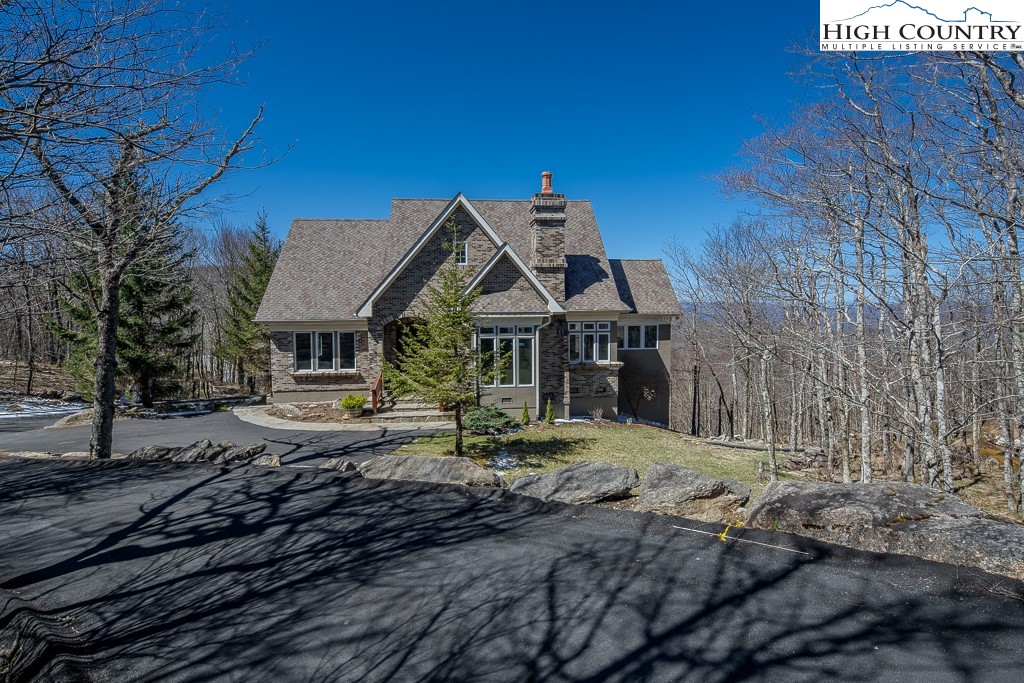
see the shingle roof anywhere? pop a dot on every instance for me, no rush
(644, 286)
(328, 268)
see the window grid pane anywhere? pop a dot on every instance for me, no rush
(633, 337)
(588, 347)
(489, 360)
(325, 351)
(650, 336)
(347, 350)
(602, 347)
(524, 362)
(574, 348)
(508, 371)
(304, 351)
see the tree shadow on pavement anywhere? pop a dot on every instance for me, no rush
(264, 575)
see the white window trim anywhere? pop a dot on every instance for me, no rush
(599, 328)
(315, 340)
(514, 336)
(462, 253)
(643, 336)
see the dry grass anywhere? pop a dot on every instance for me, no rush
(542, 448)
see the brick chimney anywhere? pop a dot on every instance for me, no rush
(547, 223)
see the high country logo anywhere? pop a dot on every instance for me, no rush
(919, 25)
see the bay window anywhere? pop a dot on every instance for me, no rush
(514, 343)
(325, 351)
(590, 342)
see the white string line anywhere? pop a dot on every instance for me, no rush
(742, 540)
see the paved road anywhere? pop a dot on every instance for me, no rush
(296, 447)
(16, 425)
(160, 572)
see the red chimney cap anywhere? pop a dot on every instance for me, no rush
(545, 182)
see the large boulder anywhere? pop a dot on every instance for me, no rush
(894, 518)
(422, 468)
(677, 490)
(153, 453)
(582, 482)
(201, 451)
(340, 465)
(193, 453)
(233, 453)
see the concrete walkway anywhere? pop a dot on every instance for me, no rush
(257, 415)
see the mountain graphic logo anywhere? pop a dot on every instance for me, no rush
(920, 10)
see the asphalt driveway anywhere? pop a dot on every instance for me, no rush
(296, 447)
(125, 571)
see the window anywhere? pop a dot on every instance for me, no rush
(346, 350)
(639, 337)
(589, 342)
(461, 252)
(650, 336)
(303, 351)
(325, 351)
(514, 343)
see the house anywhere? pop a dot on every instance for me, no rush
(585, 331)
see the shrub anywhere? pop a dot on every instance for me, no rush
(353, 402)
(525, 419)
(549, 414)
(489, 419)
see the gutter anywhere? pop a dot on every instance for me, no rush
(536, 359)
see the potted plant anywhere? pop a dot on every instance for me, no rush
(353, 405)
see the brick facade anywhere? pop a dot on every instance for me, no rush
(286, 381)
(547, 224)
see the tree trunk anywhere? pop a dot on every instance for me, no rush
(106, 367)
(458, 430)
(695, 403)
(942, 424)
(769, 418)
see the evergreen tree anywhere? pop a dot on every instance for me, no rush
(438, 362)
(156, 317)
(246, 343)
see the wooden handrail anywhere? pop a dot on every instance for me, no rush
(377, 392)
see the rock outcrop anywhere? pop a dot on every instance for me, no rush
(423, 468)
(677, 490)
(340, 465)
(894, 518)
(582, 482)
(201, 451)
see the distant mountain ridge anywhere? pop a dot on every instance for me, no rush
(902, 8)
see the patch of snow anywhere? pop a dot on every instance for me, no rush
(503, 461)
(629, 420)
(575, 420)
(27, 406)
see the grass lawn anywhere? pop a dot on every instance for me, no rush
(542, 448)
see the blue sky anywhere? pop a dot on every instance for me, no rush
(630, 105)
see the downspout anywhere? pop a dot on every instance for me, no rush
(536, 361)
